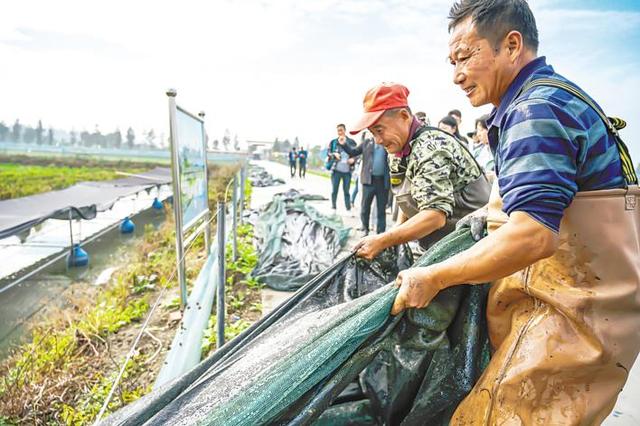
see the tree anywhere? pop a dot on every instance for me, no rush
(296, 142)
(286, 145)
(236, 143)
(4, 131)
(73, 139)
(226, 139)
(216, 144)
(131, 137)
(151, 137)
(97, 138)
(39, 131)
(85, 138)
(117, 139)
(29, 134)
(276, 146)
(50, 139)
(16, 131)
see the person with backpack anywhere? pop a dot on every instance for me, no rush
(562, 251)
(375, 177)
(341, 165)
(435, 179)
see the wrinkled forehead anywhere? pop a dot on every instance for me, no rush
(463, 37)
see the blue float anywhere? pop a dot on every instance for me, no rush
(157, 204)
(127, 226)
(77, 257)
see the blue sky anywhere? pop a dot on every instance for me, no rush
(285, 68)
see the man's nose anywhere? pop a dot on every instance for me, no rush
(458, 75)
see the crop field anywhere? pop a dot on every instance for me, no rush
(20, 176)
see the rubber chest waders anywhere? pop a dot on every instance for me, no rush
(565, 330)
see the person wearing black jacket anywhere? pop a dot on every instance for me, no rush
(375, 180)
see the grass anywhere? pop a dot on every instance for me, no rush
(23, 175)
(63, 375)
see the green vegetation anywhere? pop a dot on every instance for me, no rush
(63, 375)
(242, 292)
(21, 175)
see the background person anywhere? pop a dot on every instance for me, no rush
(449, 125)
(293, 155)
(302, 162)
(375, 178)
(422, 118)
(457, 115)
(480, 147)
(342, 165)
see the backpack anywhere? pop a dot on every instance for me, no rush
(330, 159)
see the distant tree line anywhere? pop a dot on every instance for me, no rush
(20, 133)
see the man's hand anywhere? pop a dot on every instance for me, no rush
(370, 246)
(476, 221)
(417, 288)
(336, 155)
(351, 160)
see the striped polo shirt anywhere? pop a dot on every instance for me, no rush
(548, 145)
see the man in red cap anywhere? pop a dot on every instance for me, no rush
(434, 178)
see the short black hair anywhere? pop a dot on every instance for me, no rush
(449, 121)
(455, 112)
(341, 125)
(494, 19)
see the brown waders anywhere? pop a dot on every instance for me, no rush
(566, 330)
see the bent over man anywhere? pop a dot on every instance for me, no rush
(434, 178)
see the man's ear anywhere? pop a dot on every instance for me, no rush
(405, 114)
(514, 44)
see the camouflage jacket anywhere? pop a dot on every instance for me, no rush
(437, 167)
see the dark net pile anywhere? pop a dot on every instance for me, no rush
(333, 355)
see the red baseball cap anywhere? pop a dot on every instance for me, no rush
(379, 99)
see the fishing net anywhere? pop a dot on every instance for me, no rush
(296, 241)
(330, 344)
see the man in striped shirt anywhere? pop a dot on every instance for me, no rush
(562, 251)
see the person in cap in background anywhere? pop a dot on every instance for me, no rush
(563, 220)
(457, 115)
(341, 165)
(375, 178)
(422, 118)
(480, 147)
(302, 162)
(435, 179)
(293, 156)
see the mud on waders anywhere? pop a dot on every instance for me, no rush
(566, 330)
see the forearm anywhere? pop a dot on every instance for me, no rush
(420, 225)
(517, 244)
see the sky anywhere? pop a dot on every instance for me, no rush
(279, 68)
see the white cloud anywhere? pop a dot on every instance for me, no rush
(266, 68)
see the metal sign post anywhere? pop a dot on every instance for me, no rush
(234, 219)
(207, 230)
(177, 201)
(243, 178)
(220, 304)
(189, 173)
